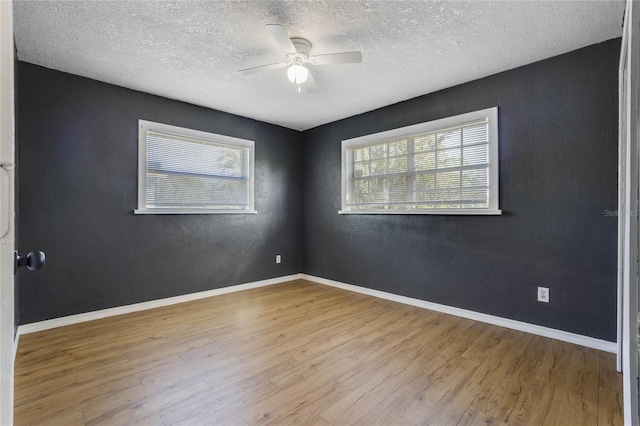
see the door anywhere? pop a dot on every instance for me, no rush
(6, 213)
(629, 143)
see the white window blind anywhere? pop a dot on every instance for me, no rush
(187, 171)
(445, 166)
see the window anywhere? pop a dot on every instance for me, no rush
(189, 171)
(447, 166)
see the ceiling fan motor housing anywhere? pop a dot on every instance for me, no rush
(303, 47)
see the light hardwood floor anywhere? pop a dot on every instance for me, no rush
(303, 353)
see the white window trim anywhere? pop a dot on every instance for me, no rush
(431, 126)
(145, 126)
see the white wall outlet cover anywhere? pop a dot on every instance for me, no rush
(543, 294)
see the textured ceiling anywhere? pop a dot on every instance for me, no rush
(191, 50)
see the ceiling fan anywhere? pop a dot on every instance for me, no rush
(297, 52)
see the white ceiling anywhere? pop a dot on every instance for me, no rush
(191, 50)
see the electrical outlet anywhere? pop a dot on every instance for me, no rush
(543, 294)
(278, 258)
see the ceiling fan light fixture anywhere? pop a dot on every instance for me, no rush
(297, 52)
(297, 74)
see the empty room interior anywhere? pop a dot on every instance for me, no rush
(320, 213)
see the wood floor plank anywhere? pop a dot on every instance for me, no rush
(294, 399)
(203, 416)
(458, 404)
(554, 365)
(481, 419)
(364, 406)
(533, 405)
(561, 413)
(303, 353)
(450, 394)
(582, 381)
(610, 407)
(33, 390)
(608, 376)
(477, 405)
(107, 392)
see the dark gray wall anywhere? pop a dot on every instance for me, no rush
(558, 175)
(78, 190)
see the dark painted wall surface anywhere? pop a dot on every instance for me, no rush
(558, 175)
(78, 189)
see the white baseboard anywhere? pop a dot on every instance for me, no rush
(564, 336)
(539, 330)
(16, 340)
(136, 307)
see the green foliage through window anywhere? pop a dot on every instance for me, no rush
(443, 169)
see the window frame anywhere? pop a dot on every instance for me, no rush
(145, 126)
(491, 114)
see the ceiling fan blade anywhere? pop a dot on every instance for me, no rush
(337, 58)
(261, 68)
(278, 32)
(309, 85)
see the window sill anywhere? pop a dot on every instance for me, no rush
(448, 212)
(186, 211)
